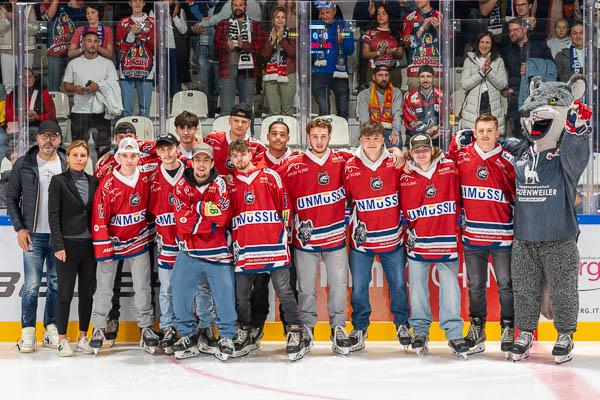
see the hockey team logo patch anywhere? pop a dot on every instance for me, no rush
(323, 178)
(305, 231)
(229, 164)
(463, 220)
(134, 200)
(430, 191)
(482, 173)
(171, 199)
(360, 233)
(376, 183)
(249, 197)
(101, 214)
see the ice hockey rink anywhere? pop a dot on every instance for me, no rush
(382, 371)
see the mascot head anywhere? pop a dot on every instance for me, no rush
(544, 112)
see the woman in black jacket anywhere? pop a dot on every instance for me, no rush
(70, 208)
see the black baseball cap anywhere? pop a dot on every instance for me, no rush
(167, 138)
(49, 127)
(241, 110)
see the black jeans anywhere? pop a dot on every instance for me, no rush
(281, 283)
(477, 272)
(260, 298)
(80, 263)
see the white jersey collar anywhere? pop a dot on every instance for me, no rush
(172, 180)
(372, 165)
(320, 161)
(430, 171)
(248, 179)
(275, 160)
(487, 154)
(130, 181)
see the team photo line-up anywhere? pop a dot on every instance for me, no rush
(223, 215)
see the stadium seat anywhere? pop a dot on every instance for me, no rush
(171, 126)
(62, 110)
(154, 114)
(190, 100)
(222, 124)
(143, 126)
(340, 134)
(291, 122)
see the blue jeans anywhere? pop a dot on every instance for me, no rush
(361, 266)
(187, 273)
(240, 80)
(322, 84)
(40, 251)
(144, 92)
(56, 72)
(205, 307)
(418, 280)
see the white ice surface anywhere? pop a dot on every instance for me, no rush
(381, 371)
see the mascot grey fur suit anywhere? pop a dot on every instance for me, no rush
(545, 225)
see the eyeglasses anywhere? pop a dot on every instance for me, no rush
(48, 136)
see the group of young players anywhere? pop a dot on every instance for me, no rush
(228, 214)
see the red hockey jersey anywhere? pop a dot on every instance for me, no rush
(148, 160)
(137, 57)
(372, 188)
(259, 223)
(430, 203)
(201, 232)
(220, 141)
(267, 160)
(119, 226)
(161, 207)
(487, 183)
(318, 199)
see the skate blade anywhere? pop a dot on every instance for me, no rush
(95, 351)
(520, 357)
(563, 359)
(507, 355)
(344, 351)
(203, 348)
(110, 343)
(189, 353)
(480, 348)
(460, 356)
(297, 356)
(357, 347)
(423, 351)
(222, 356)
(167, 350)
(149, 349)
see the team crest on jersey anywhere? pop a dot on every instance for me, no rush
(411, 240)
(236, 252)
(482, 172)
(305, 231)
(323, 178)
(249, 197)
(430, 191)
(101, 214)
(171, 199)
(229, 164)
(134, 200)
(360, 233)
(376, 183)
(463, 220)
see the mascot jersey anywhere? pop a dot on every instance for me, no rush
(318, 199)
(430, 202)
(372, 187)
(220, 141)
(119, 220)
(487, 192)
(259, 222)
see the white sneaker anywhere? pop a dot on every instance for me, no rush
(64, 348)
(51, 338)
(26, 343)
(83, 345)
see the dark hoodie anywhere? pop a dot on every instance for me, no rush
(188, 175)
(23, 189)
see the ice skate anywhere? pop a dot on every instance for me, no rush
(64, 348)
(475, 338)
(521, 347)
(308, 337)
(112, 330)
(294, 344)
(149, 340)
(83, 346)
(168, 340)
(420, 344)
(404, 336)
(460, 348)
(186, 347)
(242, 342)
(563, 348)
(27, 342)
(207, 341)
(97, 341)
(51, 339)
(507, 339)
(226, 349)
(357, 340)
(340, 341)
(257, 334)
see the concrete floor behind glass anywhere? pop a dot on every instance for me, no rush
(382, 370)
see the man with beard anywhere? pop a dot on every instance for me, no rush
(238, 40)
(27, 206)
(83, 77)
(382, 103)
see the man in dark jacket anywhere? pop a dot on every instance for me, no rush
(27, 205)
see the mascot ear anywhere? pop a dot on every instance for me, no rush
(535, 83)
(577, 85)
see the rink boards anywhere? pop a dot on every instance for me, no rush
(11, 284)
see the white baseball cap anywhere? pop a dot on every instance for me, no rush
(128, 145)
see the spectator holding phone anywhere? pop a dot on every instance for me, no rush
(84, 77)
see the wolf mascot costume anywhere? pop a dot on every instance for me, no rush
(547, 170)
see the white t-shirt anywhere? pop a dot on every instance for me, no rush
(46, 170)
(81, 70)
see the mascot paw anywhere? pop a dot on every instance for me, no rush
(578, 117)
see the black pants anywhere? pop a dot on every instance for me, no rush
(80, 263)
(260, 298)
(82, 125)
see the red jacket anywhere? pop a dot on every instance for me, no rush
(137, 57)
(46, 113)
(220, 46)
